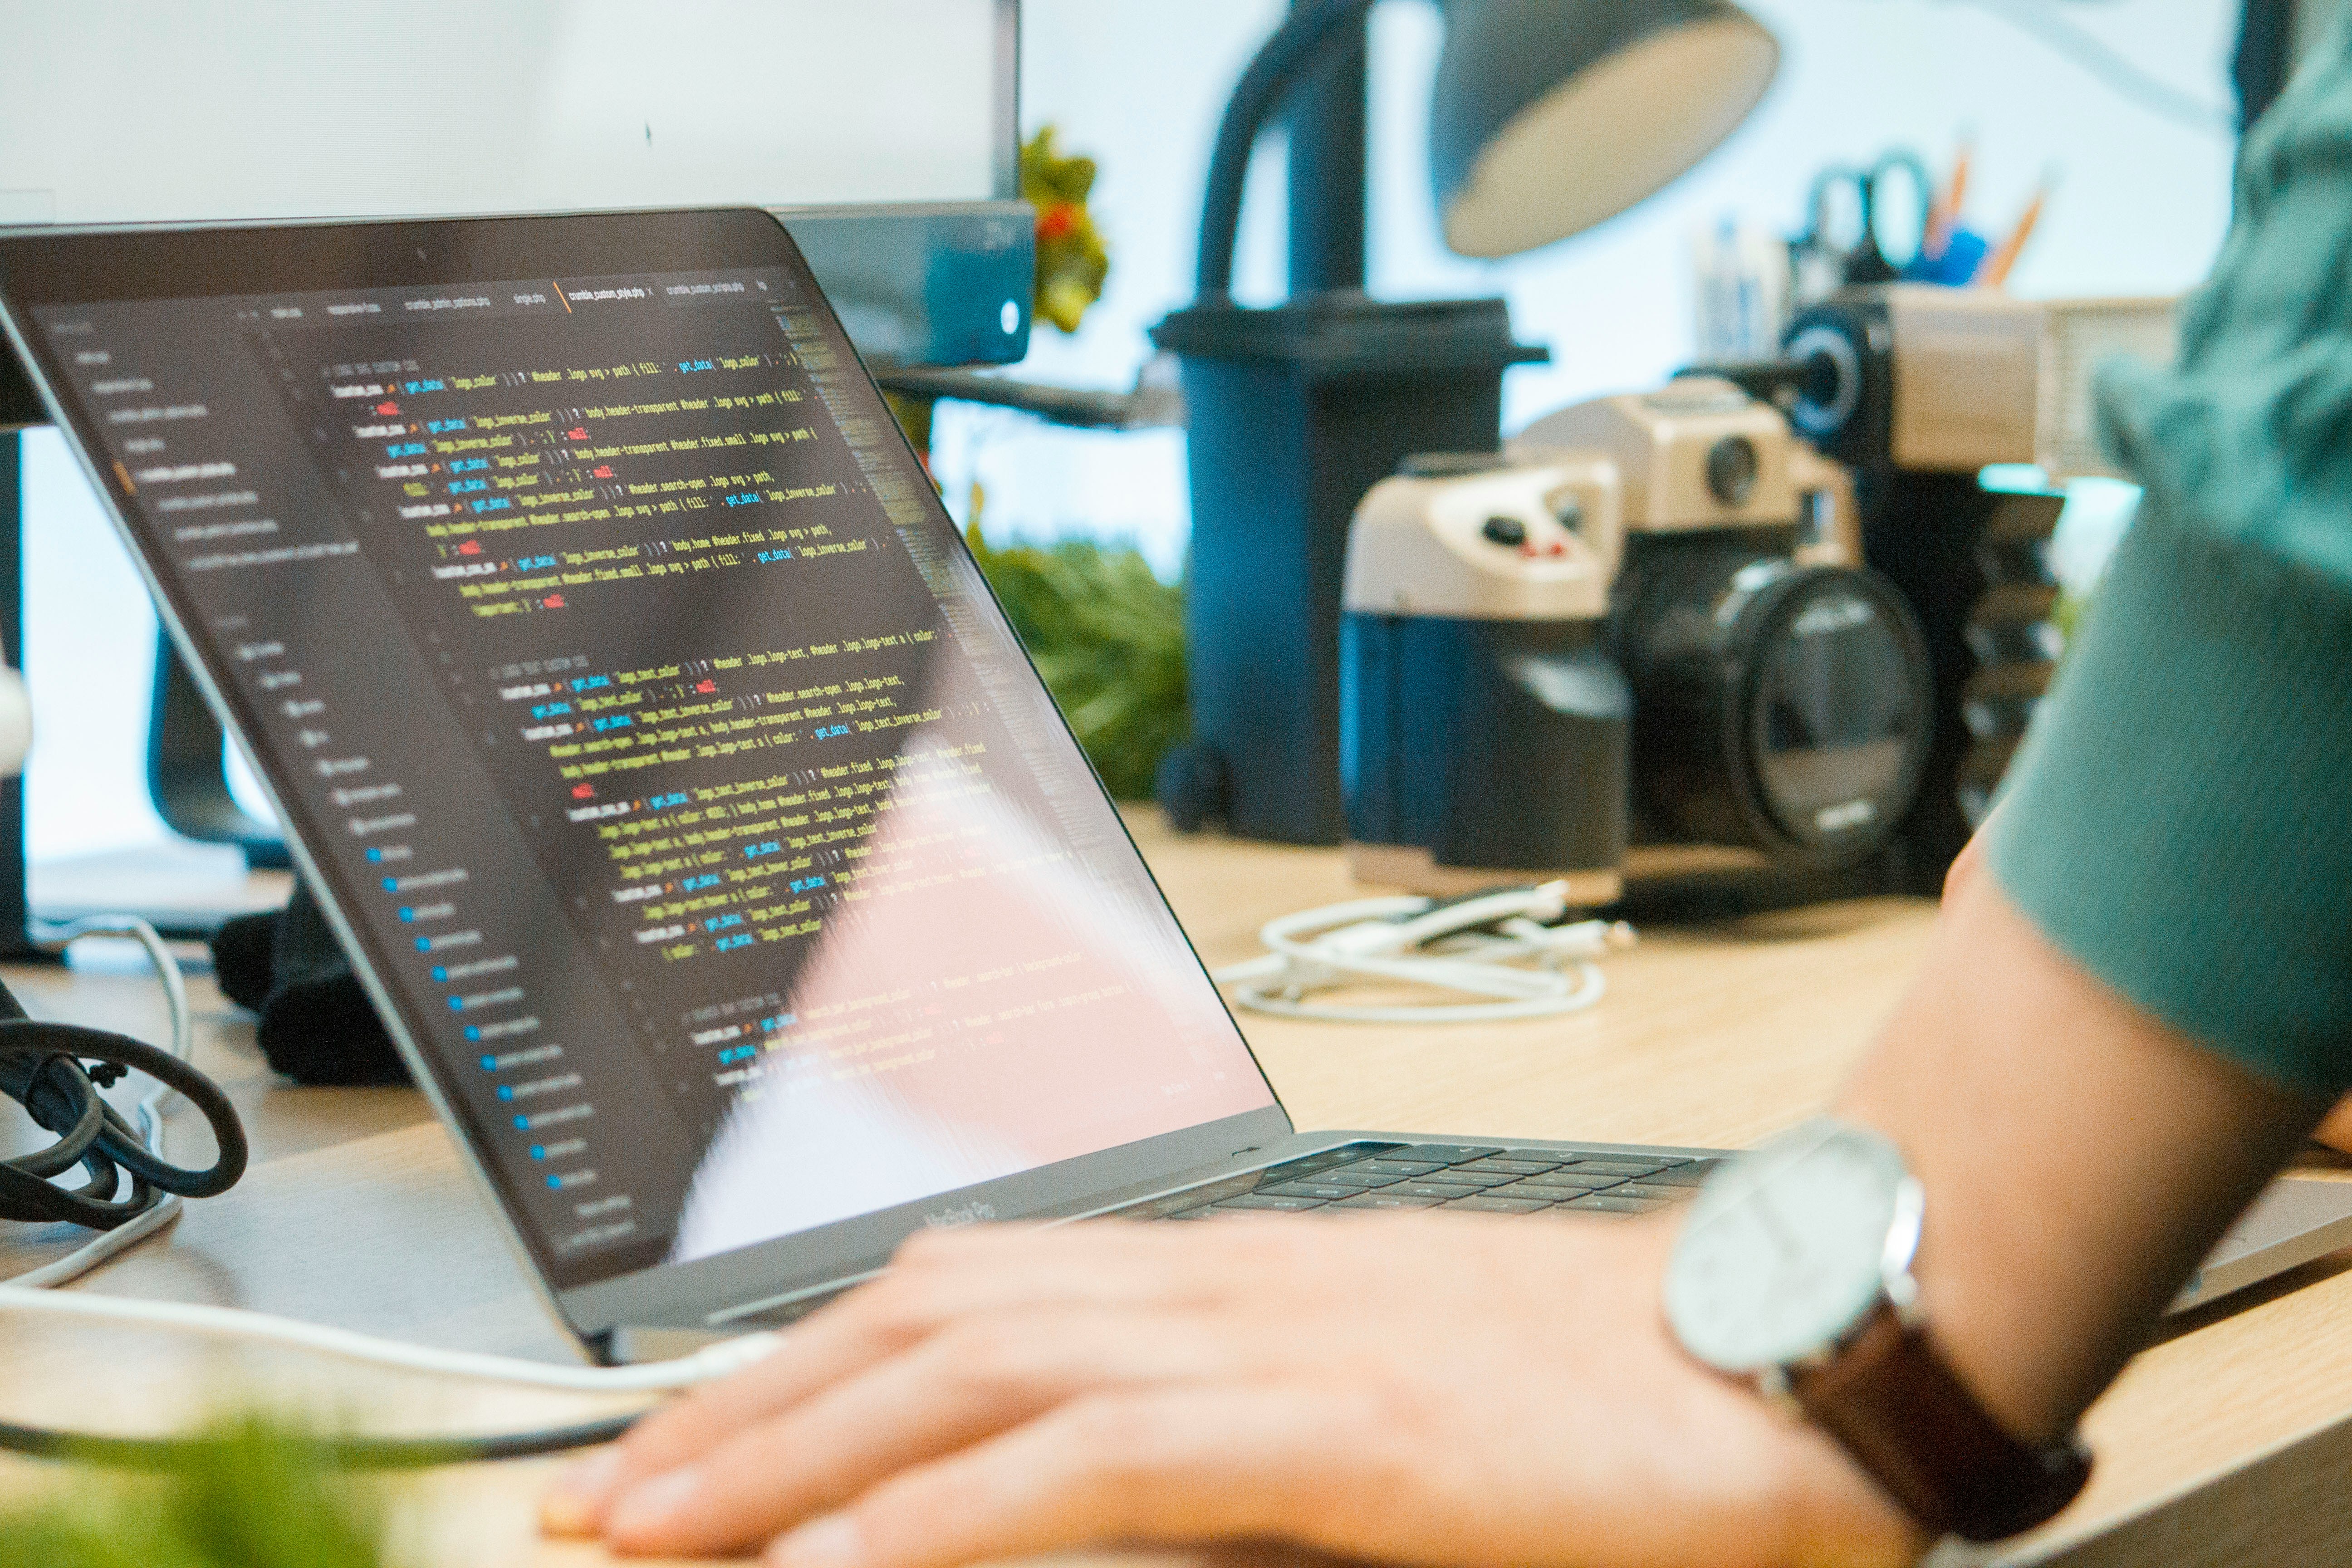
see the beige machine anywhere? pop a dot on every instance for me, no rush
(1700, 453)
(1646, 620)
(1973, 376)
(2079, 336)
(1535, 542)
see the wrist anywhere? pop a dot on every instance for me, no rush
(1821, 1506)
(1794, 1270)
(2079, 1157)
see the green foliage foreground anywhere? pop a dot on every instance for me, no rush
(1108, 637)
(246, 1493)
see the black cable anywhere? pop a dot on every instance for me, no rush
(342, 1453)
(42, 1068)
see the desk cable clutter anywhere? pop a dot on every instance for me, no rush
(1496, 945)
(1500, 945)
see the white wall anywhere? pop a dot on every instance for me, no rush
(2140, 206)
(139, 110)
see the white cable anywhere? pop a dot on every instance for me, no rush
(1496, 945)
(29, 1292)
(237, 1323)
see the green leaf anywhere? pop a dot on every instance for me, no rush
(1108, 636)
(248, 1492)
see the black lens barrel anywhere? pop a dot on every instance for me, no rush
(1776, 706)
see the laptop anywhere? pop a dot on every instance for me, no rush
(716, 860)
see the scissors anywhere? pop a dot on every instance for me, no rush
(1863, 261)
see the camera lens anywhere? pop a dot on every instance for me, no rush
(1784, 708)
(1835, 728)
(1731, 468)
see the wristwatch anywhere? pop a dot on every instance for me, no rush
(1794, 1270)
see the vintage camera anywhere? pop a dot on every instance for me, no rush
(1644, 621)
(1915, 390)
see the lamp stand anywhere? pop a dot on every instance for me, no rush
(1326, 182)
(1292, 414)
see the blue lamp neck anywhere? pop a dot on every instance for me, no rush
(1311, 61)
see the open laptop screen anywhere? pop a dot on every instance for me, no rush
(656, 737)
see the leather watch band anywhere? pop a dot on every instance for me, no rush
(1905, 1416)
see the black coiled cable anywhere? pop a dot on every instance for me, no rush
(42, 1068)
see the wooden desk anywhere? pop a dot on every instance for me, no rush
(2223, 1444)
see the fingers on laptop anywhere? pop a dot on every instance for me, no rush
(933, 1284)
(972, 1335)
(1160, 1466)
(939, 1278)
(968, 1383)
(1083, 1359)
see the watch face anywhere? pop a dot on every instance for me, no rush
(1787, 1250)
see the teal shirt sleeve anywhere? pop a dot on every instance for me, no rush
(2179, 820)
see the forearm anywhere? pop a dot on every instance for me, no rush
(2079, 1156)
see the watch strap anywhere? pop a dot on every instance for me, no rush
(1893, 1402)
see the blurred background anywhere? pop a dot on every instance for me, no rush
(2121, 113)
(1139, 87)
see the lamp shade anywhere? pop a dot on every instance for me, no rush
(1552, 115)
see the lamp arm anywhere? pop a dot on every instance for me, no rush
(1268, 77)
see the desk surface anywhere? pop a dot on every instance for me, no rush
(2214, 1448)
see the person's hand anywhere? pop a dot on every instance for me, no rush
(1420, 1388)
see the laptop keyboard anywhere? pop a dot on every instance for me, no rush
(1477, 1178)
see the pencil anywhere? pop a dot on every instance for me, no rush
(1994, 270)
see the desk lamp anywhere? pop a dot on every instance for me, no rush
(1548, 116)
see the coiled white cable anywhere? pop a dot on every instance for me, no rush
(1495, 944)
(29, 1292)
